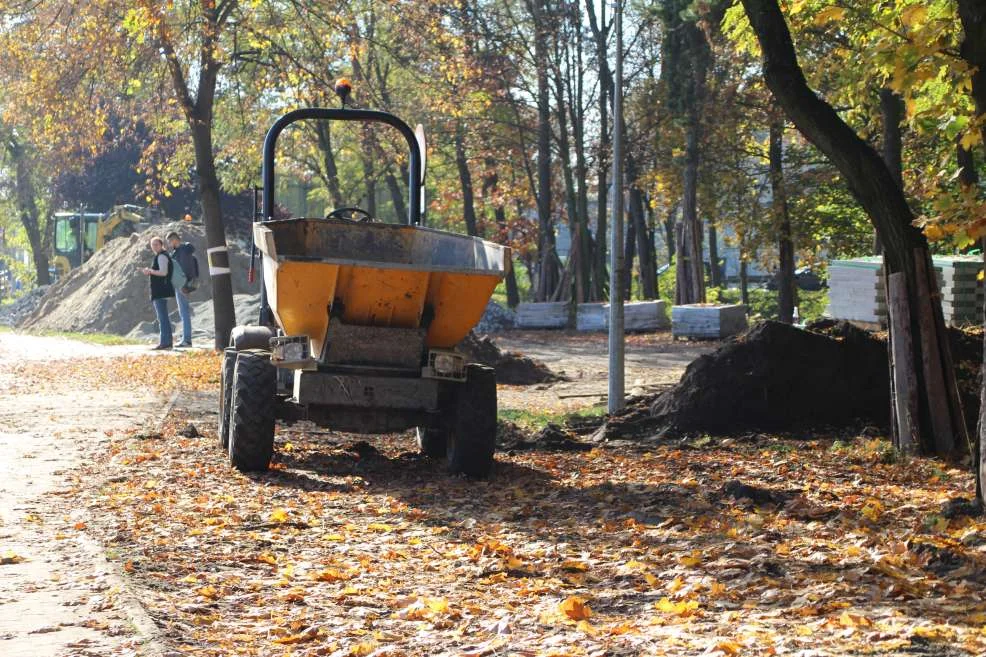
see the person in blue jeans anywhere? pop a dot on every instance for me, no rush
(159, 274)
(183, 255)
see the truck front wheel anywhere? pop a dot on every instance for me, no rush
(251, 427)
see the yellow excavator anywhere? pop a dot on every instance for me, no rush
(80, 234)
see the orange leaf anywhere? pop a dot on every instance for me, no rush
(575, 608)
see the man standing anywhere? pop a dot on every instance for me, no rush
(159, 274)
(184, 257)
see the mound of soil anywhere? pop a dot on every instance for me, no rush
(774, 377)
(108, 294)
(511, 368)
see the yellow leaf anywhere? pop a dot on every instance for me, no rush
(279, 515)
(574, 566)
(437, 605)
(379, 527)
(575, 608)
(829, 14)
(934, 632)
(914, 15)
(586, 627)
(208, 591)
(729, 647)
(267, 558)
(10, 557)
(329, 575)
(301, 637)
(872, 510)
(683, 608)
(651, 579)
(362, 649)
(691, 560)
(676, 584)
(971, 139)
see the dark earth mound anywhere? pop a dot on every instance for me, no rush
(773, 377)
(511, 368)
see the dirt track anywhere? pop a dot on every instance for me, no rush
(58, 594)
(653, 361)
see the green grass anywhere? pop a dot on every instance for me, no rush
(92, 338)
(534, 420)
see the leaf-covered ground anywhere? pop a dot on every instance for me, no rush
(353, 546)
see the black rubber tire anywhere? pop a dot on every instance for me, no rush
(225, 393)
(473, 438)
(433, 443)
(251, 426)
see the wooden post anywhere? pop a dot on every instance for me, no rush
(907, 430)
(931, 366)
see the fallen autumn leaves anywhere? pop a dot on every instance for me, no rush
(352, 548)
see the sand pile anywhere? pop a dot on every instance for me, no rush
(108, 294)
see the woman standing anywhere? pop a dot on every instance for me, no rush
(161, 289)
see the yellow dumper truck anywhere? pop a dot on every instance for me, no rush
(359, 325)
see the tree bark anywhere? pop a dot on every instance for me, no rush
(690, 272)
(198, 111)
(715, 273)
(465, 182)
(940, 421)
(26, 197)
(972, 14)
(548, 269)
(782, 222)
(892, 111)
(600, 33)
(324, 136)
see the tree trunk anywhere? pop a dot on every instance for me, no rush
(215, 233)
(548, 269)
(715, 273)
(927, 374)
(465, 182)
(600, 33)
(322, 132)
(972, 13)
(27, 209)
(396, 195)
(782, 222)
(892, 112)
(490, 183)
(690, 273)
(644, 238)
(629, 248)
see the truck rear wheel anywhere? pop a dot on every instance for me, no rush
(473, 437)
(251, 427)
(433, 443)
(225, 393)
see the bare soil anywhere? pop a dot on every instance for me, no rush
(653, 362)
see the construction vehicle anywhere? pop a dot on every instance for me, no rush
(80, 234)
(359, 325)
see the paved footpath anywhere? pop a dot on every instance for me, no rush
(59, 596)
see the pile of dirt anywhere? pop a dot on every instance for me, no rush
(108, 294)
(246, 307)
(511, 368)
(496, 318)
(14, 313)
(773, 377)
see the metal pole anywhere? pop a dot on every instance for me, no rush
(616, 262)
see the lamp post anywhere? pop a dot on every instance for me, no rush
(616, 261)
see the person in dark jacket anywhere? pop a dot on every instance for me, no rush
(159, 274)
(183, 255)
